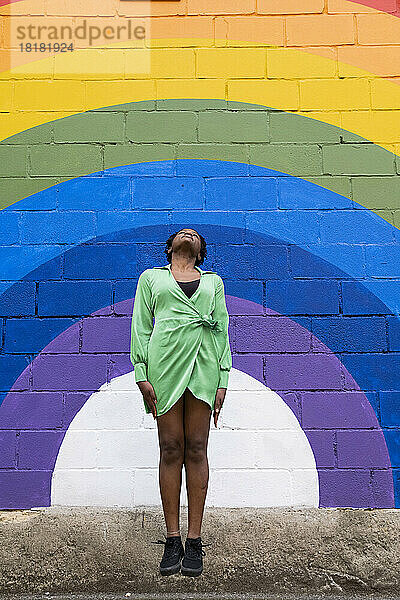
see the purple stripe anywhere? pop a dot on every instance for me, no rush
(341, 426)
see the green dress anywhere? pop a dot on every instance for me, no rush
(188, 344)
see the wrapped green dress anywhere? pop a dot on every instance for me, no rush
(188, 343)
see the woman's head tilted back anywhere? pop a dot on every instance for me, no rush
(187, 241)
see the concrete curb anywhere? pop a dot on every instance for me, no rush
(258, 551)
(194, 596)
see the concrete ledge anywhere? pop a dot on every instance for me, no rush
(256, 551)
(193, 596)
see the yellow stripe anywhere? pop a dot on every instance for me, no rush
(174, 73)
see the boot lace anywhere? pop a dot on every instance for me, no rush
(168, 544)
(194, 549)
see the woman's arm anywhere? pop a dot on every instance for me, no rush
(142, 327)
(220, 313)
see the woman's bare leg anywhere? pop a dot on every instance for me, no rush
(171, 443)
(197, 415)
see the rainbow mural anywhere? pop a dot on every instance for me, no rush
(272, 128)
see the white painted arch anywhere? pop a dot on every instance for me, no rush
(258, 457)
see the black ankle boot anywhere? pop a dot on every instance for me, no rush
(192, 563)
(173, 554)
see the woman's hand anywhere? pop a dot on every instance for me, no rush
(148, 396)
(219, 400)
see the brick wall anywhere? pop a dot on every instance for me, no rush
(270, 127)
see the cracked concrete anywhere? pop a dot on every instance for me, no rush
(257, 551)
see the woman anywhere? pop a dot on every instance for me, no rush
(182, 365)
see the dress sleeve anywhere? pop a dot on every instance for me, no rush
(220, 313)
(141, 327)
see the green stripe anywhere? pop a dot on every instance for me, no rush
(200, 129)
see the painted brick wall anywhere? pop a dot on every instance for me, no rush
(270, 127)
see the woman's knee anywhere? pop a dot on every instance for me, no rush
(195, 449)
(172, 450)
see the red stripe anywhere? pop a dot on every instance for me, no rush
(4, 2)
(388, 6)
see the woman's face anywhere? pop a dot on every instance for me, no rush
(185, 238)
